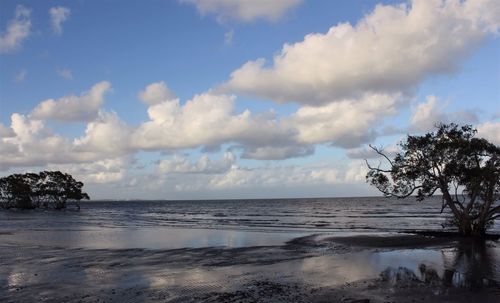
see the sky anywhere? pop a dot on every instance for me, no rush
(222, 99)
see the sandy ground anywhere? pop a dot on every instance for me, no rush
(402, 268)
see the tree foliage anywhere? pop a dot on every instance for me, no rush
(45, 189)
(465, 169)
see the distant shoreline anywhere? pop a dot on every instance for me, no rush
(243, 199)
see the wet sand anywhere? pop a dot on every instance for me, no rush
(316, 268)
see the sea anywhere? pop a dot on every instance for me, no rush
(230, 223)
(172, 249)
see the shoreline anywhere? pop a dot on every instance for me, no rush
(313, 268)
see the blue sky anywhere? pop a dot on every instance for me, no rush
(236, 99)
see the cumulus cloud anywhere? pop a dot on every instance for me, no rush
(5, 131)
(276, 152)
(73, 108)
(356, 172)
(210, 120)
(155, 93)
(21, 76)
(392, 49)
(65, 73)
(243, 10)
(490, 131)
(31, 143)
(228, 37)
(58, 15)
(102, 171)
(17, 30)
(107, 134)
(428, 114)
(346, 123)
(284, 176)
(205, 120)
(204, 165)
(236, 177)
(366, 152)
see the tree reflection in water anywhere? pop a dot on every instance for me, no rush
(470, 264)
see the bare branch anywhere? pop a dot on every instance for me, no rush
(378, 151)
(407, 194)
(377, 168)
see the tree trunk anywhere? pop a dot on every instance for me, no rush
(464, 226)
(467, 228)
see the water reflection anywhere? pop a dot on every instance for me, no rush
(137, 273)
(470, 264)
(146, 237)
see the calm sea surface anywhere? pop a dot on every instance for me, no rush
(155, 233)
(173, 224)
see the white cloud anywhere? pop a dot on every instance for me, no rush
(428, 114)
(204, 165)
(6, 131)
(312, 179)
(24, 128)
(243, 10)
(210, 120)
(17, 30)
(228, 37)
(390, 50)
(107, 134)
(283, 176)
(102, 171)
(276, 152)
(205, 120)
(65, 73)
(73, 108)
(366, 152)
(356, 172)
(490, 131)
(155, 93)
(58, 15)
(346, 123)
(21, 76)
(31, 143)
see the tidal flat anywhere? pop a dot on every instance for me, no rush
(307, 269)
(225, 252)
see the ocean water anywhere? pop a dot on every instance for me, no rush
(233, 223)
(168, 247)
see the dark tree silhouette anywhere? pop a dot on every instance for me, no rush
(465, 169)
(17, 190)
(47, 188)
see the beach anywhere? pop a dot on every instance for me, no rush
(239, 151)
(61, 257)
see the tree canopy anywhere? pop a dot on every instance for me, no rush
(45, 189)
(465, 169)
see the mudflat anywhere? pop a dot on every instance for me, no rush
(313, 268)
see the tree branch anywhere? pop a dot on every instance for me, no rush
(381, 153)
(377, 169)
